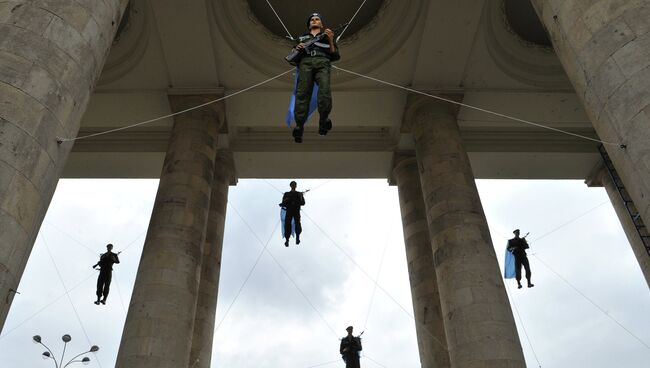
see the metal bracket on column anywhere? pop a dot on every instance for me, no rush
(632, 211)
(9, 294)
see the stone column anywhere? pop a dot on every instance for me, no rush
(159, 326)
(51, 54)
(602, 178)
(604, 46)
(479, 324)
(429, 325)
(206, 305)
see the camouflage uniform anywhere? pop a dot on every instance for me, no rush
(314, 67)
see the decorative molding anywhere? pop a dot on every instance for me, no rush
(127, 51)
(366, 49)
(342, 139)
(526, 62)
(416, 103)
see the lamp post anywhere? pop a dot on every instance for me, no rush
(66, 339)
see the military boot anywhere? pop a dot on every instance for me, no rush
(297, 133)
(324, 125)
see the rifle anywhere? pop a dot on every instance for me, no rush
(295, 54)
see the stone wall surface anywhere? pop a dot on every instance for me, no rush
(51, 54)
(604, 46)
(479, 324)
(160, 322)
(605, 179)
(429, 324)
(206, 304)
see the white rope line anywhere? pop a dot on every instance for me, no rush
(286, 273)
(61, 140)
(250, 273)
(478, 108)
(592, 302)
(523, 327)
(351, 19)
(280, 19)
(374, 361)
(374, 290)
(324, 364)
(366, 273)
(47, 305)
(76, 313)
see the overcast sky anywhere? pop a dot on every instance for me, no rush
(272, 325)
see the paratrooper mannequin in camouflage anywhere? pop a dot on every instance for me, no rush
(315, 67)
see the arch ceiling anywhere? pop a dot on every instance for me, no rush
(465, 47)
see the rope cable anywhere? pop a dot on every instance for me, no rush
(119, 294)
(523, 327)
(280, 19)
(71, 237)
(570, 221)
(64, 294)
(350, 21)
(357, 265)
(76, 313)
(285, 272)
(324, 364)
(61, 140)
(250, 273)
(593, 302)
(374, 290)
(477, 108)
(362, 269)
(374, 361)
(47, 306)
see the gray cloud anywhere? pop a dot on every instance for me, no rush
(271, 324)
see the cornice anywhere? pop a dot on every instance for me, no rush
(416, 104)
(342, 139)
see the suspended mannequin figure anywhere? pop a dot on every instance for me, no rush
(350, 348)
(518, 248)
(291, 202)
(313, 61)
(105, 264)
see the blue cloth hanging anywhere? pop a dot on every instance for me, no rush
(509, 265)
(283, 216)
(313, 102)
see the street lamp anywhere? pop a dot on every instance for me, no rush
(66, 339)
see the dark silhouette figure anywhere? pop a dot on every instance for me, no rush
(518, 248)
(350, 348)
(106, 262)
(291, 202)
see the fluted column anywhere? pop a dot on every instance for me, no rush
(603, 46)
(479, 325)
(159, 326)
(429, 325)
(206, 304)
(51, 54)
(602, 178)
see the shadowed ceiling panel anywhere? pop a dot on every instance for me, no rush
(294, 14)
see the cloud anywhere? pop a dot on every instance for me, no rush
(272, 325)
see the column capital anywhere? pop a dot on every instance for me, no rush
(180, 102)
(596, 177)
(400, 161)
(417, 105)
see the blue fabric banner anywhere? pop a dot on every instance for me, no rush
(509, 265)
(313, 102)
(283, 216)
